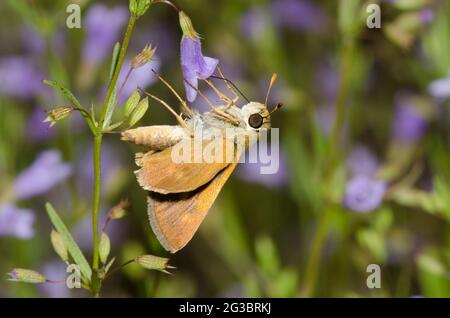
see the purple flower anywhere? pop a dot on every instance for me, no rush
(326, 81)
(37, 130)
(16, 222)
(33, 41)
(362, 161)
(440, 88)
(363, 194)
(140, 77)
(409, 123)
(301, 15)
(103, 25)
(251, 172)
(194, 65)
(426, 16)
(44, 173)
(253, 23)
(19, 77)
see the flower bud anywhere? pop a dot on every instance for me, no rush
(26, 276)
(104, 247)
(131, 103)
(58, 245)
(139, 112)
(119, 210)
(154, 262)
(57, 113)
(139, 7)
(143, 57)
(186, 26)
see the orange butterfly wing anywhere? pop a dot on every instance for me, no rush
(176, 217)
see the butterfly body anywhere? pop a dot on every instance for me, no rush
(181, 192)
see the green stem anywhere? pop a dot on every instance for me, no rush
(313, 263)
(96, 203)
(98, 136)
(113, 83)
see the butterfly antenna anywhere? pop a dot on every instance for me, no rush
(232, 84)
(277, 107)
(272, 81)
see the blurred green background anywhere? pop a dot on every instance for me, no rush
(355, 99)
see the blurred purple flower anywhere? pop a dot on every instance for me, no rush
(16, 222)
(140, 77)
(409, 123)
(426, 16)
(254, 23)
(440, 88)
(363, 194)
(300, 15)
(194, 65)
(44, 173)
(251, 172)
(326, 81)
(362, 161)
(325, 118)
(103, 25)
(36, 129)
(55, 271)
(19, 77)
(33, 41)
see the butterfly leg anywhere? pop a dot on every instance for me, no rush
(182, 101)
(214, 108)
(178, 117)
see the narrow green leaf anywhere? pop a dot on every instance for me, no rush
(115, 57)
(65, 92)
(139, 111)
(69, 242)
(108, 266)
(110, 110)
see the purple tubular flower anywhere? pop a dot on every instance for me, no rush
(103, 25)
(16, 222)
(44, 173)
(363, 194)
(194, 65)
(409, 123)
(19, 77)
(300, 15)
(362, 161)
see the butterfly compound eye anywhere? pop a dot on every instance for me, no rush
(255, 121)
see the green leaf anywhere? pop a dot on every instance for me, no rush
(115, 57)
(110, 110)
(65, 92)
(139, 112)
(69, 242)
(108, 266)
